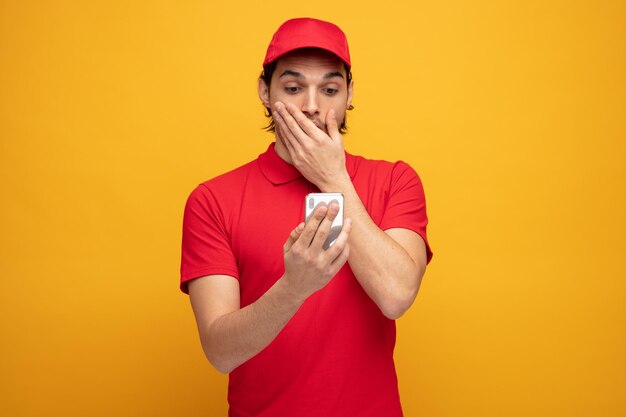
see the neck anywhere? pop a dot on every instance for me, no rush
(282, 151)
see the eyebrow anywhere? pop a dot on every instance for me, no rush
(333, 74)
(299, 75)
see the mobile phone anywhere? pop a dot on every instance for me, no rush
(313, 200)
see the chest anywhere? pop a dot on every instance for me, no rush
(264, 220)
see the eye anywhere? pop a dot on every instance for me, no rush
(291, 89)
(330, 91)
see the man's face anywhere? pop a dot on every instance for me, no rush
(314, 81)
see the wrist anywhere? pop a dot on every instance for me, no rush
(337, 184)
(289, 292)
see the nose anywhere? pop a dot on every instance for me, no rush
(310, 107)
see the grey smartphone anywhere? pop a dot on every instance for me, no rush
(313, 200)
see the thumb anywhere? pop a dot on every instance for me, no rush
(293, 237)
(331, 125)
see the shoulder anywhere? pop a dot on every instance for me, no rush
(222, 188)
(232, 178)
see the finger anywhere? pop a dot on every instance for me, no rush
(311, 226)
(324, 228)
(331, 122)
(341, 259)
(285, 140)
(304, 123)
(290, 126)
(302, 133)
(285, 132)
(279, 121)
(293, 237)
(333, 126)
(336, 250)
(344, 254)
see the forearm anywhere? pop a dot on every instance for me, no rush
(381, 265)
(231, 335)
(234, 338)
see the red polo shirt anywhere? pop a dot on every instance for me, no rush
(335, 356)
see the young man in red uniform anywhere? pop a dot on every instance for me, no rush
(305, 331)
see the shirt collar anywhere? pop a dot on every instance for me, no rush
(279, 172)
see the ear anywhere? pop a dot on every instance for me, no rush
(350, 91)
(264, 93)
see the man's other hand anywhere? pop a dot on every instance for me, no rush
(316, 151)
(308, 267)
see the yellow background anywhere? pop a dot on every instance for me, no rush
(512, 112)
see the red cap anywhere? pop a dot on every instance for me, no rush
(306, 32)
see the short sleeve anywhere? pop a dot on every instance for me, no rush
(206, 248)
(406, 204)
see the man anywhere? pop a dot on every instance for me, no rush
(305, 331)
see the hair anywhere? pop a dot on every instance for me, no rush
(266, 76)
